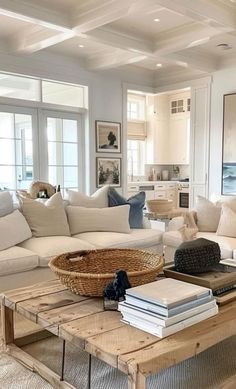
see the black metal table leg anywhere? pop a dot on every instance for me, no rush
(89, 371)
(63, 360)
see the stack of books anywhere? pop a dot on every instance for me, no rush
(167, 306)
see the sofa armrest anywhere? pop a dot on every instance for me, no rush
(176, 223)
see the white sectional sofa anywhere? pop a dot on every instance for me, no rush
(215, 221)
(27, 262)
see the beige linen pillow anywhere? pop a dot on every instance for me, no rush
(46, 219)
(227, 224)
(208, 215)
(6, 203)
(13, 230)
(99, 199)
(115, 219)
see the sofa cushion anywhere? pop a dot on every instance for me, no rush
(83, 219)
(98, 199)
(227, 223)
(6, 203)
(17, 259)
(13, 230)
(227, 245)
(208, 215)
(136, 203)
(46, 219)
(49, 246)
(138, 238)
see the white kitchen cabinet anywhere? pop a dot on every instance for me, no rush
(157, 129)
(155, 190)
(168, 133)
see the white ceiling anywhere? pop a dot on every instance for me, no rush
(106, 34)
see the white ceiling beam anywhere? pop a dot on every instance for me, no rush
(184, 37)
(94, 14)
(194, 59)
(35, 38)
(105, 12)
(35, 14)
(115, 39)
(214, 14)
(115, 59)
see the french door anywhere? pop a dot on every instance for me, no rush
(60, 148)
(38, 144)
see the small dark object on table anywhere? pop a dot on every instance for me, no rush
(115, 290)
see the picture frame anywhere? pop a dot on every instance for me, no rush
(228, 182)
(108, 171)
(108, 136)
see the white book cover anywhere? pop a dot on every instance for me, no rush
(164, 311)
(168, 293)
(162, 332)
(228, 262)
(156, 319)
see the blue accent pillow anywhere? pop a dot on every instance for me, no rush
(136, 203)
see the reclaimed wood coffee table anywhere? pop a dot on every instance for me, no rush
(82, 321)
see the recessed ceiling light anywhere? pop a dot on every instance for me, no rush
(159, 65)
(156, 20)
(81, 46)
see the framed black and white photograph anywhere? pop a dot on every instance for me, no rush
(108, 171)
(108, 137)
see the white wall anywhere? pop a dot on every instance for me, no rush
(105, 92)
(223, 82)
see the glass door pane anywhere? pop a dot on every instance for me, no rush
(63, 149)
(16, 148)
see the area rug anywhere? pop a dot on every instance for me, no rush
(205, 371)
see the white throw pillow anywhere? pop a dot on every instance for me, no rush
(46, 219)
(208, 215)
(13, 230)
(6, 204)
(99, 199)
(230, 201)
(227, 224)
(115, 219)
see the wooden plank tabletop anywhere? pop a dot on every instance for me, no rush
(82, 321)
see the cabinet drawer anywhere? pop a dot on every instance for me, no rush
(160, 195)
(171, 186)
(160, 186)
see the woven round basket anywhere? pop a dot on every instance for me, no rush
(88, 272)
(159, 205)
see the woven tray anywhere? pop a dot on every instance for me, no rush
(88, 272)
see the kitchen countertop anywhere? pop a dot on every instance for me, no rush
(153, 182)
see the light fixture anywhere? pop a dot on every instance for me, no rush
(81, 46)
(156, 20)
(159, 65)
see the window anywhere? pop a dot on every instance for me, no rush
(16, 150)
(62, 138)
(42, 142)
(177, 106)
(62, 94)
(27, 88)
(136, 107)
(136, 158)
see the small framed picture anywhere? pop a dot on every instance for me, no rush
(108, 137)
(108, 171)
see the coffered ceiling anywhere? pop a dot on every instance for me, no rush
(160, 36)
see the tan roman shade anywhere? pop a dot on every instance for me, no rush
(137, 130)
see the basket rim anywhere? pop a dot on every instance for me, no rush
(104, 275)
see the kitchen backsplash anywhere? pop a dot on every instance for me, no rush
(157, 170)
